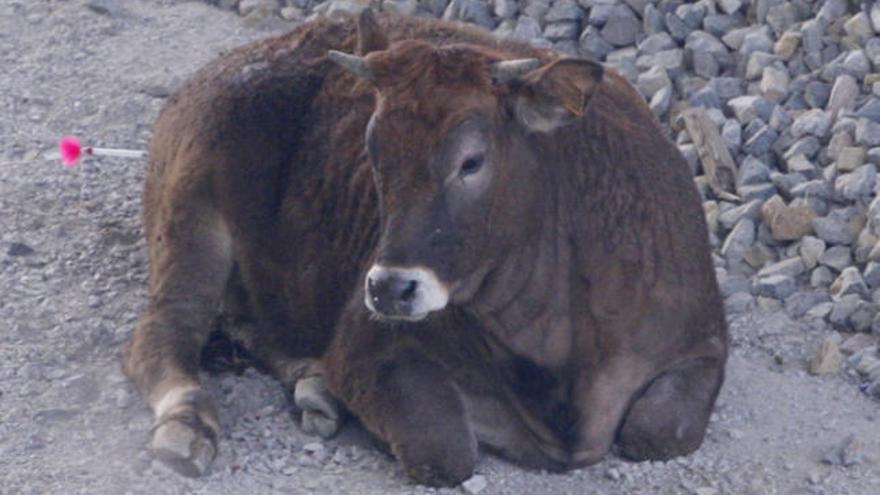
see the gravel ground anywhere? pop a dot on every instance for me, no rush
(72, 276)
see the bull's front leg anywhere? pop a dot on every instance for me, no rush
(401, 395)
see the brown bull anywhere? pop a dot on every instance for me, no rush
(468, 242)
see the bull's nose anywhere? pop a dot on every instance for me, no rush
(390, 294)
(404, 293)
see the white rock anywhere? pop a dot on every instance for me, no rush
(475, 484)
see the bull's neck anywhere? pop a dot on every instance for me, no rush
(525, 301)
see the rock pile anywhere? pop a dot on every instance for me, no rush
(789, 89)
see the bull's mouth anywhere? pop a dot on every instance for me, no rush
(392, 318)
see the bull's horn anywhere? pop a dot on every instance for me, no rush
(508, 70)
(352, 63)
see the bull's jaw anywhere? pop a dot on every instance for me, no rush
(404, 294)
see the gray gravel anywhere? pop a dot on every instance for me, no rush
(73, 269)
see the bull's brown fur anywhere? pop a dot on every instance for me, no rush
(260, 198)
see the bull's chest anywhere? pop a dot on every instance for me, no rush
(539, 334)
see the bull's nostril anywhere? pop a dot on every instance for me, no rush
(409, 292)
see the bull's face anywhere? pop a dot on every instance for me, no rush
(460, 182)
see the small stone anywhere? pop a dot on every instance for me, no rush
(752, 170)
(472, 11)
(837, 257)
(592, 43)
(475, 484)
(527, 29)
(827, 359)
(691, 13)
(564, 10)
(838, 227)
(850, 158)
(671, 60)
(561, 31)
(752, 192)
(799, 303)
(653, 20)
(110, 8)
(739, 302)
(735, 37)
(787, 223)
(846, 454)
(655, 43)
(19, 249)
(757, 40)
(808, 146)
(817, 188)
(731, 133)
(775, 286)
(653, 80)
(781, 16)
(791, 267)
(731, 217)
(857, 184)
(745, 108)
(787, 45)
(849, 282)
(661, 100)
(774, 84)
(856, 343)
(867, 132)
(505, 9)
(816, 94)
(622, 26)
(757, 62)
(814, 122)
(292, 13)
(810, 249)
(875, 17)
(730, 6)
(721, 24)
(738, 241)
(858, 26)
(843, 95)
(870, 110)
(871, 275)
(759, 255)
(676, 26)
(768, 304)
(761, 141)
(727, 87)
(704, 64)
(842, 309)
(821, 277)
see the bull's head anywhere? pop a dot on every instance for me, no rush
(453, 146)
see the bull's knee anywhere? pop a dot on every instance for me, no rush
(670, 418)
(426, 423)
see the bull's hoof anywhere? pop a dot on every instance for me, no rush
(320, 410)
(185, 444)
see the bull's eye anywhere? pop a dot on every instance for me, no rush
(471, 166)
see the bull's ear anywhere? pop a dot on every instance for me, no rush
(370, 35)
(555, 94)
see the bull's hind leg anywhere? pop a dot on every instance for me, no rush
(190, 264)
(669, 419)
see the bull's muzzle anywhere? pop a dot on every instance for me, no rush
(404, 293)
